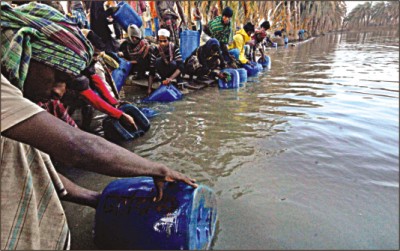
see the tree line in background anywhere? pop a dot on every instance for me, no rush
(317, 17)
(383, 13)
(314, 16)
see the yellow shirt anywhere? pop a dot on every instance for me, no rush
(239, 40)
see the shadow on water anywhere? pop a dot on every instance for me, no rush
(305, 156)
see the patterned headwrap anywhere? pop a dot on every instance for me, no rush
(40, 32)
(210, 45)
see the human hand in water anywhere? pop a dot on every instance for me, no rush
(170, 176)
(127, 120)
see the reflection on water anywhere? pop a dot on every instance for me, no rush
(304, 157)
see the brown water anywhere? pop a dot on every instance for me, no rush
(304, 157)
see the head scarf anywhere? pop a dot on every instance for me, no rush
(133, 31)
(38, 31)
(209, 45)
(163, 32)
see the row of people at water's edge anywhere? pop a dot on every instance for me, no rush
(55, 63)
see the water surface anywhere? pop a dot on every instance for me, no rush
(306, 156)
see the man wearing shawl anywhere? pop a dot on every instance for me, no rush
(136, 50)
(165, 59)
(38, 34)
(204, 60)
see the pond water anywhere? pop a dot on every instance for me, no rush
(306, 156)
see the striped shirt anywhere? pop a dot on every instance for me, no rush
(219, 30)
(32, 216)
(172, 54)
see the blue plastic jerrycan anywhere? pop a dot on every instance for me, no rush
(266, 63)
(148, 32)
(164, 93)
(260, 67)
(128, 218)
(233, 83)
(119, 75)
(286, 39)
(252, 69)
(115, 131)
(242, 75)
(189, 41)
(126, 15)
(148, 112)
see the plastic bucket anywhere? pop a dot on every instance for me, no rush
(189, 41)
(127, 217)
(125, 16)
(252, 70)
(242, 75)
(120, 74)
(115, 131)
(233, 83)
(164, 93)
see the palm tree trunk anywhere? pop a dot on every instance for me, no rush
(296, 17)
(288, 24)
(220, 6)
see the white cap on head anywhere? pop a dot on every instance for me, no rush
(163, 32)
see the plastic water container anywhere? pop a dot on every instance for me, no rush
(235, 52)
(148, 112)
(286, 39)
(164, 93)
(259, 67)
(148, 32)
(119, 75)
(233, 83)
(189, 41)
(275, 45)
(126, 15)
(128, 218)
(252, 70)
(115, 131)
(156, 24)
(242, 75)
(266, 63)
